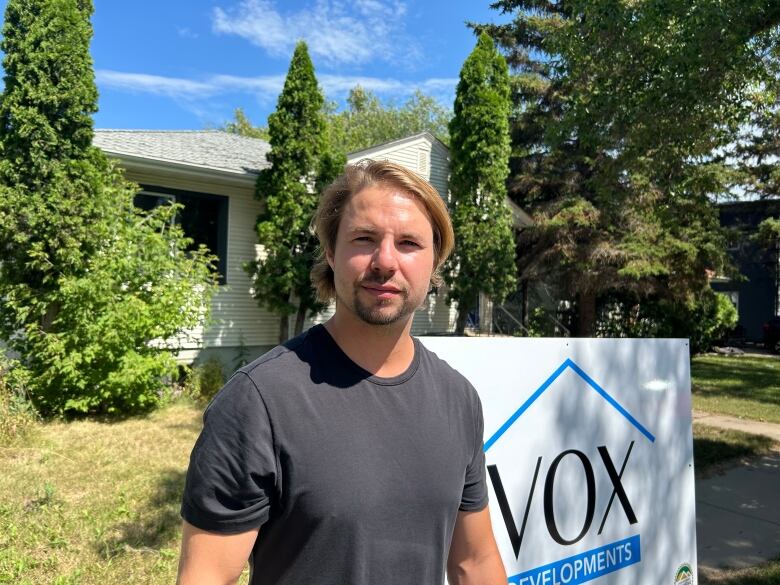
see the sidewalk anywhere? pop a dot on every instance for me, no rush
(771, 430)
(738, 511)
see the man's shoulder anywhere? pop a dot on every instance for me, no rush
(444, 371)
(283, 360)
(434, 361)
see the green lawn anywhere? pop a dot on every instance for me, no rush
(714, 447)
(91, 502)
(742, 386)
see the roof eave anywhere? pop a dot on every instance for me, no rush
(143, 164)
(397, 142)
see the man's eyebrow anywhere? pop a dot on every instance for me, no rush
(411, 236)
(362, 229)
(367, 229)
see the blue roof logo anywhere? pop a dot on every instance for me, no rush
(568, 363)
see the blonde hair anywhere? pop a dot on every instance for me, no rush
(356, 178)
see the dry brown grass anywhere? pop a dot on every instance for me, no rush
(93, 502)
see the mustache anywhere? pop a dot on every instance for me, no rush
(379, 280)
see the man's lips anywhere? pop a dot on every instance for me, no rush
(381, 291)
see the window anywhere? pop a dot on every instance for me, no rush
(203, 218)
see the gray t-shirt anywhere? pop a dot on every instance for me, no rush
(351, 478)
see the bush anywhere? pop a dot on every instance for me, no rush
(711, 320)
(109, 347)
(17, 415)
(204, 380)
(705, 320)
(540, 323)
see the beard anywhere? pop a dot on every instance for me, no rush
(381, 311)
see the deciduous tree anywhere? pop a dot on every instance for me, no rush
(366, 120)
(241, 125)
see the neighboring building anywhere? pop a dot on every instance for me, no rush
(758, 297)
(213, 174)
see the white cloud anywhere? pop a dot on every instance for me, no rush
(154, 84)
(265, 86)
(334, 85)
(336, 32)
(213, 98)
(186, 33)
(437, 84)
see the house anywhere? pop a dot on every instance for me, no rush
(757, 298)
(213, 174)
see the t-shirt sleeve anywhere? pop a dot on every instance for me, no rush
(232, 474)
(475, 492)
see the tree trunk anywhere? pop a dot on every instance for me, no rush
(586, 313)
(52, 312)
(485, 304)
(284, 329)
(463, 315)
(300, 317)
(524, 313)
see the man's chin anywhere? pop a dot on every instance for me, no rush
(378, 318)
(384, 314)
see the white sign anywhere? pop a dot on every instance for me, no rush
(590, 456)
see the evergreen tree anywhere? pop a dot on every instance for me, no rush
(87, 282)
(621, 109)
(301, 160)
(484, 256)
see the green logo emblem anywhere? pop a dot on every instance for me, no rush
(684, 575)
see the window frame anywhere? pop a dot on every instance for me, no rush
(223, 219)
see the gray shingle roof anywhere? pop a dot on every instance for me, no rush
(210, 149)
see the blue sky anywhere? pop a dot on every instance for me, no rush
(171, 64)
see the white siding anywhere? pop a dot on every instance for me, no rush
(235, 316)
(415, 154)
(434, 316)
(321, 318)
(440, 170)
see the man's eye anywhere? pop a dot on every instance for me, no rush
(410, 243)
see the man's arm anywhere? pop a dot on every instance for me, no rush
(208, 558)
(474, 557)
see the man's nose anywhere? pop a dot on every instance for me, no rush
(385, 259)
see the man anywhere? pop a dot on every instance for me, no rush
(351, 454)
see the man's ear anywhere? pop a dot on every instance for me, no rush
(329, 258)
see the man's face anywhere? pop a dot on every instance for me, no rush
(383, 259)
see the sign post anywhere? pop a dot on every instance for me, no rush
(589, 453)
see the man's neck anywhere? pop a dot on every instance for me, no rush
(383, 350)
